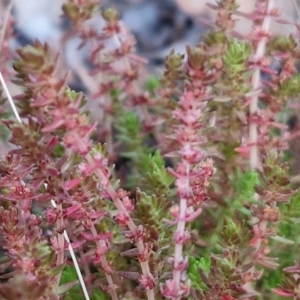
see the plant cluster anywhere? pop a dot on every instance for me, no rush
(181, 189)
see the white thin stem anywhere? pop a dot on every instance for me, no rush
(85, 292)
(60, 242)
(10, 100)
(74, 261)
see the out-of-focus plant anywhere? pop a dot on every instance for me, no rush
(179, 190)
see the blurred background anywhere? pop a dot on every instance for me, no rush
(157, 25)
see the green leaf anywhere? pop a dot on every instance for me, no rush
(151, 84)
(69, 276)
(59, 151)
(62, 289)
(129, 128)
(282, 44)
(290, 87)
(54, 271)
(204, 264)
(236, 57)
(193, 272)
(99, 295)
(244, 183)
(74, 96)
(283, 240)
(156, 177)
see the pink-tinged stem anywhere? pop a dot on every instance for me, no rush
(178, 258)
(253, 109)
(120, 206)
(5, 22)
(105, 266)
(143, 108)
